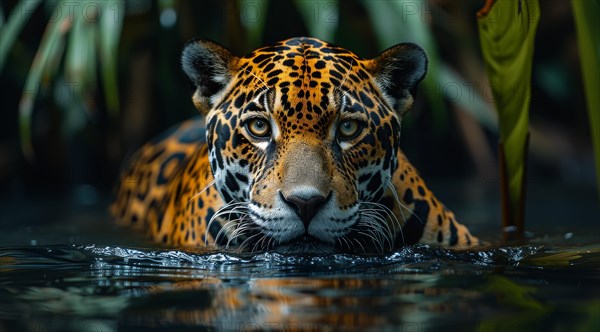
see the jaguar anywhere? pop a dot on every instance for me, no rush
(296, 149)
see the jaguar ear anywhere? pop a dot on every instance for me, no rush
(208, 66)
(397, 71)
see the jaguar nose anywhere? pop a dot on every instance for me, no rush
(305, 208)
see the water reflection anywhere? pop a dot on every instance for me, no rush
(416, 288)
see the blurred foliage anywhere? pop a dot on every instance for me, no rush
(10, 30)
(85, 38)
(588, 40)
(410, 28)
(89, 35)
(88, 81)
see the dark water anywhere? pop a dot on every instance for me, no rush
(65, 267)
(418, 288)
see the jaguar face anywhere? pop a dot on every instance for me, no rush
(303, 137)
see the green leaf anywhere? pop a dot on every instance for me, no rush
(50, 48)
(111, 25)
(81, 64)
(507, 34)
(9, 31)
(588, 40)
(559, 259)
(320, 16)
(80, 58)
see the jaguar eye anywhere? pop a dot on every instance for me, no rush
(349, 129)
(259, 128)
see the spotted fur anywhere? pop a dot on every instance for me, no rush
(276, 166)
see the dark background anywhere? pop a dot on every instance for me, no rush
(79, 146)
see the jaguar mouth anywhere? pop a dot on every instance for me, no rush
(305, 244)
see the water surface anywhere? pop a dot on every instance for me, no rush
(417, 288)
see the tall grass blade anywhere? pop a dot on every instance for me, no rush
(50, 45)
(10, 30)
(110, 27)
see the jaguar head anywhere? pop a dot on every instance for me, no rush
(303, 137)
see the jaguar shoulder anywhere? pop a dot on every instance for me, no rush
(297, 150)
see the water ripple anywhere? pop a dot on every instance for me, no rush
(410, 259)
